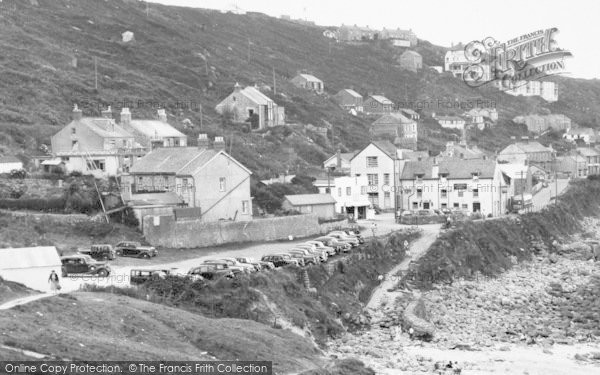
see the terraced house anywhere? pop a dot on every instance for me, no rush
(203, 177)
(462, 185)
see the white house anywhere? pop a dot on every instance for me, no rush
(546, 90)
(462, 185)
(350, 194)
(378, 163)
(30, 266)
(587, 135)
(451, 122)
(9, 163)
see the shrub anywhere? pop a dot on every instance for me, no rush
(34, 204)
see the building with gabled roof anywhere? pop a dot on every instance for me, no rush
(95, 145)
(349, 99)
(469, 186)
(251, 106)
(153, 133)
(531, 152)
(204, 177)
(585, 135)
(411, 60)
(10, 163)
(321, 205)
(309, 82)
(378, 104)
(397, 127)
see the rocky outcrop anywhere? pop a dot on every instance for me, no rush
(413, 321)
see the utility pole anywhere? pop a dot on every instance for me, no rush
(96, 72)
(201, 116)
(274, 83)
(249, 49)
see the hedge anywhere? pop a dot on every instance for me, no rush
(34, 204)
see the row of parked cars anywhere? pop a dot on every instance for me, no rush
(93, 261)
(304, 254)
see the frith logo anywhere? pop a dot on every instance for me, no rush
(529, 57)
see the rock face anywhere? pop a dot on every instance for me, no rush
(413, 321)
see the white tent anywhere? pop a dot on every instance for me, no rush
(30, 266)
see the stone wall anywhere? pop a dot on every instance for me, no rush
(167, 232)
(59, 218)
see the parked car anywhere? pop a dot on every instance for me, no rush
(83, 264)
(230, 265)
(99, 252)
(313, 249)
(356, 234)
(305, 255)
(135, 249)
(330, 250)
(280, 260)
(344, 238)
(339, 246)
(248, 268)
(259, 264)
(212, 271)
(140, 276)
(299, 257)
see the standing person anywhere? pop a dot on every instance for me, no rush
(54, 282)
(374, 229)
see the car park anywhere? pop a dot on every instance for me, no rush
(82, 264)
(99, 252)
(333, 242)
(320, 253)
(356, 234)
(280, 260)
(305, 255)
(344, 238)
(135, 249)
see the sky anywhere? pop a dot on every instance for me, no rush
(443, 22)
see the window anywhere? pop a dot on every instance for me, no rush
(177, 142)
(184, 183)
(415, 206)
(112, 143)
(73, 131)
(419, 193)
(426, 205)
(444, 205)
(372, 162)
(339, 192)
(245, 207)
(222, 184)
(386, 178)
(461, 193)
(349, 190)
(465, 206)
(475, 192)
(444, 193)
(373, 179)
(455, 205)
(124, 143)
(386, 194)
(363, 190)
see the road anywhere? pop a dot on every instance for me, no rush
(382, 294)
(546, 195)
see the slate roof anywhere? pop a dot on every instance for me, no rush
(393, 116)
(413, 53)
(381, 99)
(154, 128)
(387, 147)
(255, 95)
(588, 151)
(309, 77)
(309, 199)
(168, 198)
(104, 127)
(455, 169)
(532, 147)
(353, 93)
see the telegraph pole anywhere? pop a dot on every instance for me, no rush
(96, 72)
(274, 83)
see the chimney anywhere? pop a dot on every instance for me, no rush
(107, 113)
(77, 114)
(162, 115)
(202, 141)
(435, 171)
(339, 159)
(125, 116)
(219, 144)
(237, 87)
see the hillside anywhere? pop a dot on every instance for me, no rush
(187, 60)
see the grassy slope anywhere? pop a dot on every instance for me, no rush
(163, 65)
(10, 291)
(126, 329)
(486, 246)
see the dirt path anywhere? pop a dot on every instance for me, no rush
(381, 295)
(24, 300)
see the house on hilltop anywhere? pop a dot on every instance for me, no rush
(308, 82)
(204, 177)
(251, 105)
(95, 145)
(411, 60)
